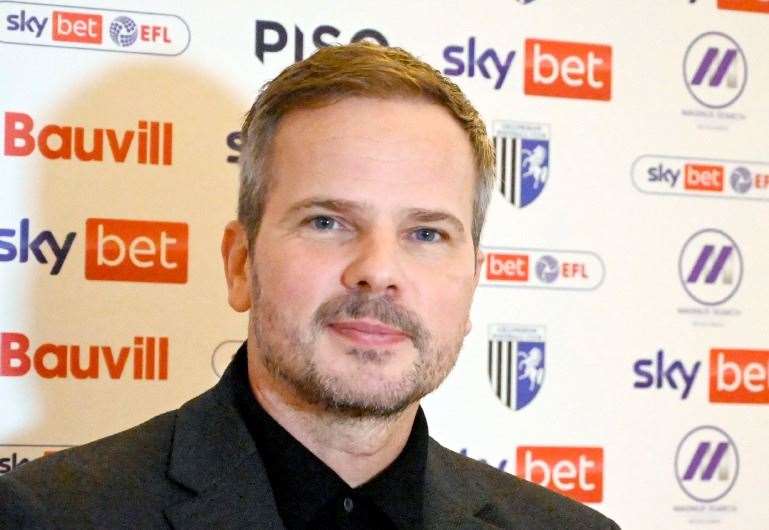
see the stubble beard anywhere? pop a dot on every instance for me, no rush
(288, 354)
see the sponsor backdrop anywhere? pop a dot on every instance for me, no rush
(619, 352)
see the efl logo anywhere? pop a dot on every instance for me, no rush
(739, 376)
(22, 244)
(13, 456)
(710, 267)
(136, 251)
(149, 357)
(516, 363)
(552, 269)
(489, 63)
(568, 69)
(151, 142)
(272, 37)
(715, 70)
(523, 160)
(758, 6)
(706, 464)
(703, 177)
(86, 28)
(576, 472)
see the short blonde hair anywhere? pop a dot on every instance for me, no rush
(358, 69)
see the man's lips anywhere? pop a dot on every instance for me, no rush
(367, 333)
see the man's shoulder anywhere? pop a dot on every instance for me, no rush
(113, 458)
(512, 499)
(93, 478)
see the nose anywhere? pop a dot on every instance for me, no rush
(374, 267)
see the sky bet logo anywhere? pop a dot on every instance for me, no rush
(568, 69)
(20, 244)
(736, 375)
(13, 456)
(93, 29)
(151, 142)
(148, 356)
(116, 249)
(489, 63)
(542, 269)
(136, 251)
(757, 6)
(272, 37)
(674, 175)
(576, 472)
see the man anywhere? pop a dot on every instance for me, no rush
(364, 173)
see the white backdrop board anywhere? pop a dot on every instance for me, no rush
(620, 348)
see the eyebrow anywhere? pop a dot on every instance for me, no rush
(345, 206)
(432, 216)
(334, 205)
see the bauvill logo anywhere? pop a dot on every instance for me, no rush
(150, 143)
(148, 355)
(93, 28)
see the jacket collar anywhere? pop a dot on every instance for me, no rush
(214, 457)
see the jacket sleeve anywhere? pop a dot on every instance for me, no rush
(19, 508)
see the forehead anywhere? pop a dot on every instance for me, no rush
(385, 150)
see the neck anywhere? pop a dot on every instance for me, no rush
(355, 448)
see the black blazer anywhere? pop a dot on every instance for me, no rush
(198, 468)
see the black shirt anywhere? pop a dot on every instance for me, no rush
(310, 495)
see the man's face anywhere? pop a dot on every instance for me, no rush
(363, 268)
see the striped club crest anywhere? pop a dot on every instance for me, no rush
(516, 363)
(523, 160)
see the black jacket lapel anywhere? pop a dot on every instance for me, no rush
(456, 500)
(214, 456)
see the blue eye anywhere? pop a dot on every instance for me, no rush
(427, 235)
(323, 222)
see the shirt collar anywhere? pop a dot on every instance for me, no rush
(302, 484)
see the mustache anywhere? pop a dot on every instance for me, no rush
(381, 308)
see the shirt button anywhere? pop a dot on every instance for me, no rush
(348, 505)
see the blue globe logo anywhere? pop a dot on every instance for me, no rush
(547, 269)
(741, 179)
(123, 31)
